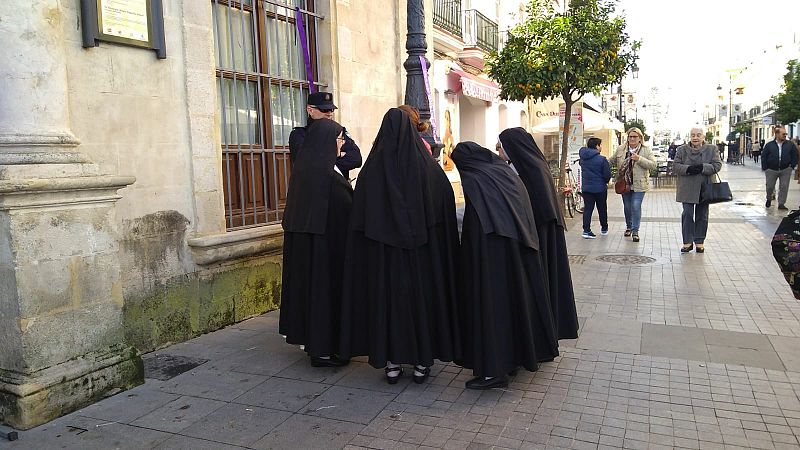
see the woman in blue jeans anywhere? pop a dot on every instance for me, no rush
(634, 160)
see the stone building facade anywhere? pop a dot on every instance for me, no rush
(140, 197)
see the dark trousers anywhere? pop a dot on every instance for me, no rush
(694, 222)
(589, 200)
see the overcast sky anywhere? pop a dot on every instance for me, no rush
(687, 46)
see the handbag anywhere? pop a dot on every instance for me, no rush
(711, 192)
(621, 187)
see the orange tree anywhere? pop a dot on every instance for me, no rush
(787, 103)
(564, 54)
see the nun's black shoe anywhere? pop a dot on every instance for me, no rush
(333, 361)
(551, 359)
(419, 379)
(481, 383)
(513, 372)
(393, 374)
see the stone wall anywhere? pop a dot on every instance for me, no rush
(158, 121)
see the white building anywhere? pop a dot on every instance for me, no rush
(466, 106)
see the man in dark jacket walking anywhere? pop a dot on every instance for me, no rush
(320, 106)
(595, 174)
(778, 160)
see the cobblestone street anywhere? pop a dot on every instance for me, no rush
(675, 350)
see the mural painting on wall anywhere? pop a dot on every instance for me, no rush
(448, 142)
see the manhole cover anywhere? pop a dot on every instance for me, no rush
(161, 366)
(626, 259)
(576, 259)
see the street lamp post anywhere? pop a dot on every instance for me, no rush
(417, 47)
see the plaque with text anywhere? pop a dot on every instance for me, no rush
(139, 23)
(127, 21)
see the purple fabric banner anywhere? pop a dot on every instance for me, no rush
(301, 30)
(424, 63)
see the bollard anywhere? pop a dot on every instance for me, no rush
(8, 433)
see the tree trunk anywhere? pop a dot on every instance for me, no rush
(562, 173)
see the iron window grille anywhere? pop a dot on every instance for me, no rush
(262, 88)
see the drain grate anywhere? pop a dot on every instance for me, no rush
(576, 259)
(162, 366)
(628, 260)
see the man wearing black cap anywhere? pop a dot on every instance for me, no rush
(320, 106)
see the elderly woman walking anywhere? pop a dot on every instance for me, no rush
(694, 163)
(634, 160)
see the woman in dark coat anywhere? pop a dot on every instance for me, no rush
(399, 302)
(694, 163)
(519, 147)
(315, 225)
(504, 307)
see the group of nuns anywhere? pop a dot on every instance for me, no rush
(381, 272)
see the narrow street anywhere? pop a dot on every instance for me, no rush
(676, 350)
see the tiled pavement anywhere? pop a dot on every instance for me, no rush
(689, 351)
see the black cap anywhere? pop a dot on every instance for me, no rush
(321, 100)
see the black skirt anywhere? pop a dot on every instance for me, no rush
(399, 305)
(311, 290)
(553, 250)
(504, 306)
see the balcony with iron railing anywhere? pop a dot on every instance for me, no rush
(448, 17)
(480, 31)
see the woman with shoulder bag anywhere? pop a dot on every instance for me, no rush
(633, 160)
(694, 163)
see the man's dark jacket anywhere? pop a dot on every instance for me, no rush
(769, 156)
(351, 154)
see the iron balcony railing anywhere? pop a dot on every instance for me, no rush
(447, 16)
(479, 31)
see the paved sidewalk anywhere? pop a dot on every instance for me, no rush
(675, 350)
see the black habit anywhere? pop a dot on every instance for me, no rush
(315, 224)
(504, 306)
(399, 299)
(535, 173)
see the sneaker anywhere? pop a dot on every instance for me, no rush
(604, 231)
(782, 207)
(589, 235)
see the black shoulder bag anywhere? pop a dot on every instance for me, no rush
(711, 192)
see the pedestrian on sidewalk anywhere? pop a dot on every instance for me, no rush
(320, 106)
(634, 161)
(315, 224)
(399, 303)
(505, 316)
(694, 163)
(518, 147)
(779, 158)
(595, 175)
(721, 149)
(756, 150)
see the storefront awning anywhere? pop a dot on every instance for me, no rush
(592, 121)
(472, 86)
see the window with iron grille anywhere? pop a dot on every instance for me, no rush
(262, 85)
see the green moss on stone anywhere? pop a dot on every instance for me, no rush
(199, 303)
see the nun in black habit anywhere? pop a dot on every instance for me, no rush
(528, 161)
(315, 223)
(504, 307)
(399, 304)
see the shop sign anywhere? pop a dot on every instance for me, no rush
(478, 90)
